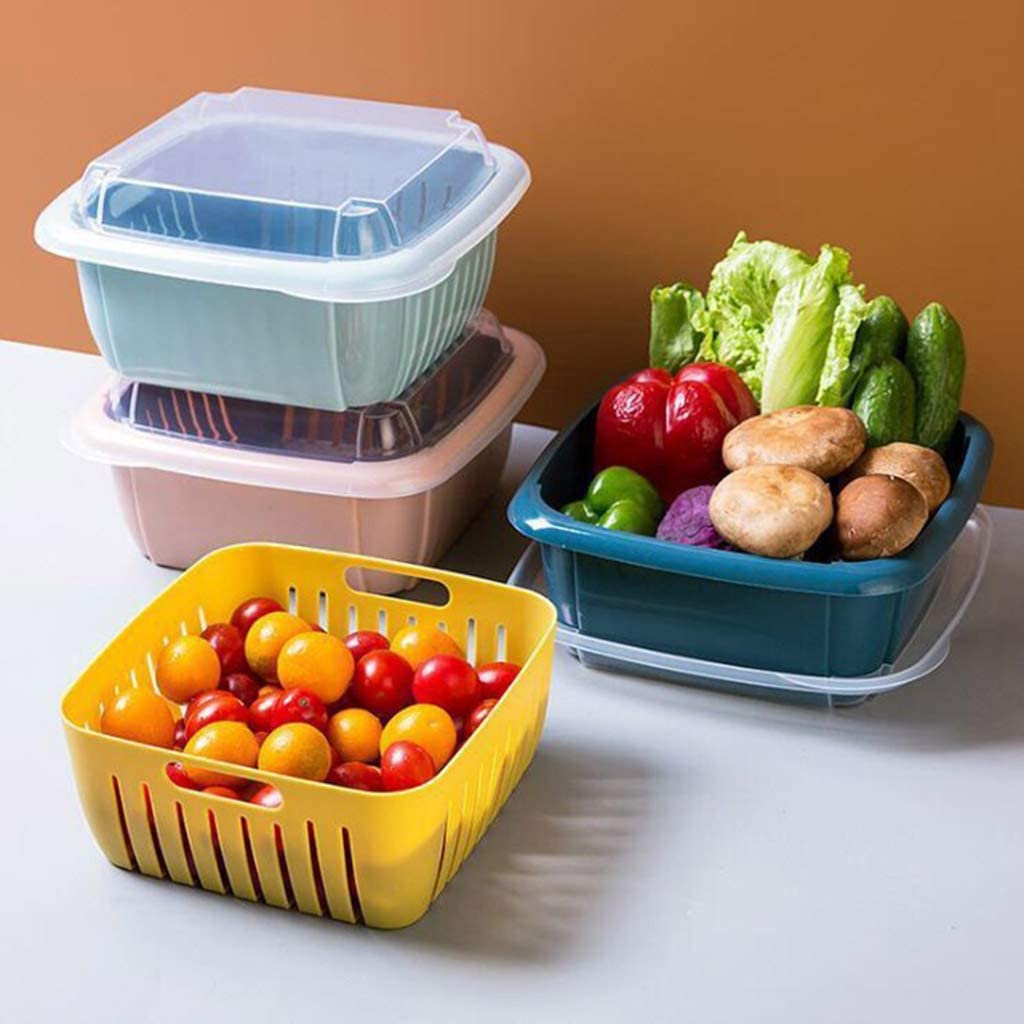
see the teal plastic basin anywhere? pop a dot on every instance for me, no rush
(803, 617)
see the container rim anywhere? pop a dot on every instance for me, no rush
(395, 275)
(530, 514)
(95, 436)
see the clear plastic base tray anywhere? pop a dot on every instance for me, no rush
(925, 652)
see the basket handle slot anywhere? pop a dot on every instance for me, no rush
(427, 590)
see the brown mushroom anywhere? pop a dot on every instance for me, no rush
(776, 511)
(878, 516)
(920, 466)
(823, 440)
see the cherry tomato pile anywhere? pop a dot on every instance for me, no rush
(268, 690)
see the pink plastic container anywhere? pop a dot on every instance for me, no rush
(399, 480)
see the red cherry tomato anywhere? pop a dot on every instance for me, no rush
(223, 708)
(405, 765)
(477, 716)
(249, 611)
(177, 774)
(496, 678)
(200, 699)
(315, 627)
(261, 711)
(266, 796)
(727, 383)
(361, 642)
(449, 682)
(180, 739)
(229, 644)
(241, 685)
(356, 775)
(382, 683)
(299, 705)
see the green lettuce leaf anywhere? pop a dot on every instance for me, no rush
(841, 371)
(740, 298)
(797, 338)
(674, 339)
(747, 280)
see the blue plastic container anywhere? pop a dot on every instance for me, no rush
(801, 617)
(295, 249)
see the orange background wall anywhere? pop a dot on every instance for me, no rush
(654, 131)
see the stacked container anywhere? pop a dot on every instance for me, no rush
(289, 288)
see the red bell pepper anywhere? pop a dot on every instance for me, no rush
(670, 430)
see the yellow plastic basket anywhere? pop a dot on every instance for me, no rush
(373, 858)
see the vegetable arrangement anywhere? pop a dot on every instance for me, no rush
(800, 332)
(856, 408)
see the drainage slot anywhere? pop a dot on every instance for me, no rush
(186, 845)
(153, 833)
(350, 877)
(218, 854)
(440, 861)
(314, 863)
(250, 860)
(282, 863)
(123, 822)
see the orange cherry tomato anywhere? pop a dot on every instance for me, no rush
(231, 742)
(265, 639)
(221, 791)
(141, 715)
(317, 662)
(187, 666)
(296, 749)
(418, 643)
(355, 735)
(426, 725)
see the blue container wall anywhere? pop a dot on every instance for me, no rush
(272, 347)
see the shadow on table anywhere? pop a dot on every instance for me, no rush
(976, 698)
(563, 839)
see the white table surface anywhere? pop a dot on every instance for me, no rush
(671, 855)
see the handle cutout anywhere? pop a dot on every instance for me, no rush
(408, 587)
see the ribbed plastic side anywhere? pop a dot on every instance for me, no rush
(273, 347)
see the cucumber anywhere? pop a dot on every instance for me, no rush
(885, 401)
(883, 333)
(935, 359)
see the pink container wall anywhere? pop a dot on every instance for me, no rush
(176, 519)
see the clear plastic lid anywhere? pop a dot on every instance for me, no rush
(321, 198)
(288, 173)
(423, 414)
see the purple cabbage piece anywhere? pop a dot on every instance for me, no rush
(687, 520)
